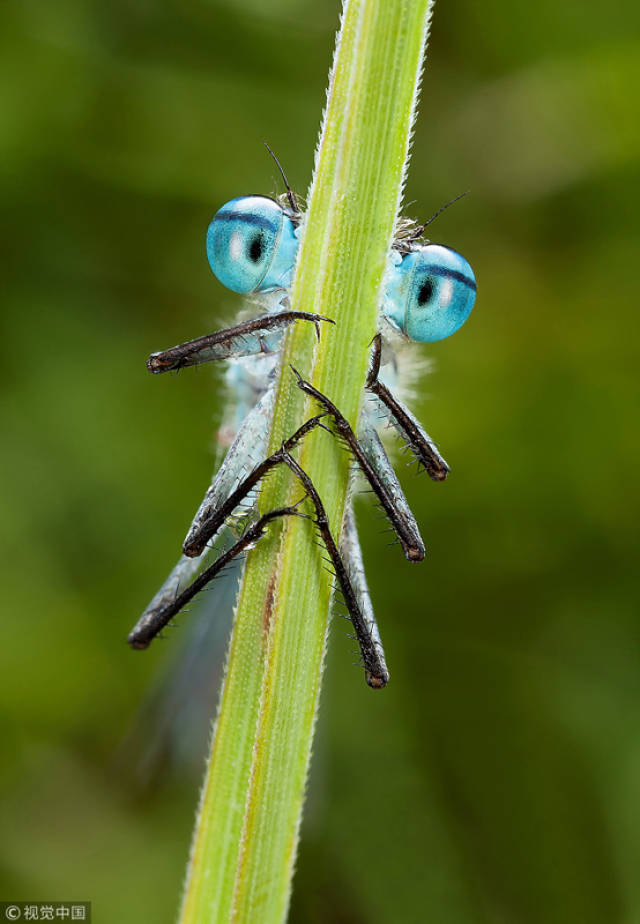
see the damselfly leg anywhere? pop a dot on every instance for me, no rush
(355, 595)
(259, 335)
(352, 556)
(153, 621)
(375, 466)
(248, 448)
(367, 636)
(412, 432)
(208, 526)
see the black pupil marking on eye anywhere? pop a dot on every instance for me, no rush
(255, 248)
(426, 292)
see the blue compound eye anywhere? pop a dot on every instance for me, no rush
(251, 245)
(432, 293)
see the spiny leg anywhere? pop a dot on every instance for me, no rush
(405, 527)
(212, 521)
(154, 620)
(164, 599)
(259, 335)
(410, 429)
(413, 433)
(251, 438)
(352, 556)
(375, 668)
(251, 442)
(377, 457)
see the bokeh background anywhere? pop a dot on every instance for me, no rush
(498, 777)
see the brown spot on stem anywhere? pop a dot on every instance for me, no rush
(269, 604)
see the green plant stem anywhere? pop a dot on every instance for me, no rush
(247, 829)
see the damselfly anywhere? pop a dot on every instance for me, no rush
(428, 293)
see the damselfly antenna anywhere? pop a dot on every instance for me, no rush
(420, 229)
(290, 194)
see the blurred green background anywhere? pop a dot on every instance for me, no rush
(498, 778)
